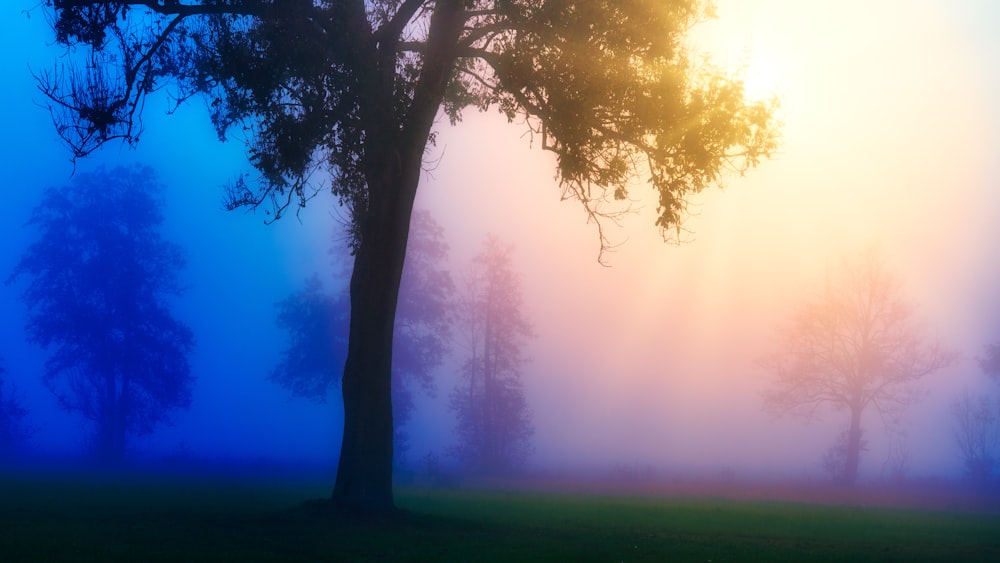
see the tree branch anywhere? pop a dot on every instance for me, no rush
(393, 29)
(175, 7)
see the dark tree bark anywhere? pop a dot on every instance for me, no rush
(364, 473)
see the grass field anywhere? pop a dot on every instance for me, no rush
(170, 519)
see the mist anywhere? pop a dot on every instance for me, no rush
(647, 362)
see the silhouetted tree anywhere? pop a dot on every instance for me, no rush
(317, 321)
(356, 87)
(990, 362)
(14, 432)
(835, 459)
(977, 435)
(897, 460)
(853, 347)
(493, 423)
(100, 275)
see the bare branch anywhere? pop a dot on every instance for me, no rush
(855, 346)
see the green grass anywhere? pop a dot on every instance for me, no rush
(159, 519)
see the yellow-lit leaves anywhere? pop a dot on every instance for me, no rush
(610, 87)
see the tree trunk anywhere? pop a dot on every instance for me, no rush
(364, 472)
(853, 448)
(394, 154)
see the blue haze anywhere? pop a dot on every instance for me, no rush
(238, 268)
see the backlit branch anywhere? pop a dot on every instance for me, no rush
(177, 8)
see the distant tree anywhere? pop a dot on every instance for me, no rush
(990, 361)
(355, 88)
(493, 423)
(14, 432)
(977, 435)
(835, 458)
(897, 460)
(853, 347)
(977, 424)
(99, 277)
(317, 320)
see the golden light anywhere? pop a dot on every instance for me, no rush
(762, 75)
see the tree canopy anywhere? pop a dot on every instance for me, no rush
(610, 87)
(99, 276)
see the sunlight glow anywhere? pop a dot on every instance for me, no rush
(762, 75)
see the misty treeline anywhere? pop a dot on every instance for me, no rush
(98, 278)
(492, 420)
(98, 281)
(856, 347)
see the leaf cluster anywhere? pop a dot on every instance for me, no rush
(611, 88)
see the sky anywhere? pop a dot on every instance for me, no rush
(890, 137)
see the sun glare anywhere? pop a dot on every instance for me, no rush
(744, 45)
(761, 76)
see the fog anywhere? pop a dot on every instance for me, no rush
(890, 139)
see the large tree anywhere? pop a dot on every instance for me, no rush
(316, 320)
(854, 346)
(100, 276)
(493, 422)
(355, 88)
